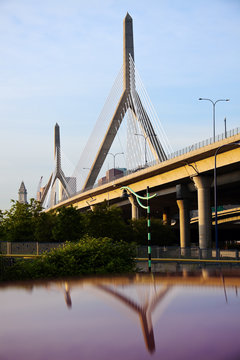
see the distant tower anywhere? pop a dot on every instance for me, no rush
(22, 194)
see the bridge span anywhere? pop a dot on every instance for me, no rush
(182, 184)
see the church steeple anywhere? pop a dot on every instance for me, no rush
(22, 194)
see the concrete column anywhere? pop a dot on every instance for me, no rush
(135, 208)
(204, 211)
(184, 219)
(165, 216)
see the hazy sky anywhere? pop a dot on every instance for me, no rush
(59, 60)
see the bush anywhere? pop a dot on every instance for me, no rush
(106, 221)
(161, 235)
(88, 256)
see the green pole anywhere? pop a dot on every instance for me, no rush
(149, 232)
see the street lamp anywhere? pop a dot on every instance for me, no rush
(214, 103)
(114, 155)
(147, 207)
(145, 138)
(215, 193)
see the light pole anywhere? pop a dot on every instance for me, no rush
(114, 155)
(147, 207)
(215, 193)
(214, 104)
(145, 138)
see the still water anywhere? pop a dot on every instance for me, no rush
(158, 316)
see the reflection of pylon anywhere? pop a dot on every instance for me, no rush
(129, 100)
(144, 312)
(58, 173)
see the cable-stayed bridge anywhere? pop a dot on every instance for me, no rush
(129, 124)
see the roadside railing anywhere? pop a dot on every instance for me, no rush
(27, 248)
(162, 252)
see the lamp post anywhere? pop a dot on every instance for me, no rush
(114, 155)
(147, 207)
(214, 104)
(145, 146)
(215, 193)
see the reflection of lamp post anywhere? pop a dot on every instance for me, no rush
(114, 155)
(214, 103)
(215, 193)
(147, 207)
(145, 138)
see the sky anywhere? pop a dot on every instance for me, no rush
(59, 60)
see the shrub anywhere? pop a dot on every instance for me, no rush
(88, 256)
(161, 235)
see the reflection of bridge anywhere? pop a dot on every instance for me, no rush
(150, 299)
(182, 182)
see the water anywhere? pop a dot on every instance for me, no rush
(145, 316)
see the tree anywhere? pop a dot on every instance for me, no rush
(161, 235)
(44, 224)
(105, 221)
(68, 225)
(18, 223)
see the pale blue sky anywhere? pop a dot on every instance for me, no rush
(59, 60)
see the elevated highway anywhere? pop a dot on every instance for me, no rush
(182, 184)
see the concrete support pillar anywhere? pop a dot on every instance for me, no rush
(202, 184)
(165, 216)
(135, 208)
(184, 219)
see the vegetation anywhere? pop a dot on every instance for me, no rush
(88, 256)
(161, 235)
(27, 222)
(98, 241)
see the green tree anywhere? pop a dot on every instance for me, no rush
(161, 235)
(18, 223)
(105, 221)
(44, 224)
(68, 225)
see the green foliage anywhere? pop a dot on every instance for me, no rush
(88, 256)
(68, 225)
(26, 222)
(44, 226)
(106, 221)
(161, 235)
(18, 223)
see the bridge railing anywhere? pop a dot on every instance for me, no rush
(203, 143)
(183, 151)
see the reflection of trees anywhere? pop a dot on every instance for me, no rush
(144, 312)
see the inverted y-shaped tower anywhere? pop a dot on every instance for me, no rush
(129, 100)
(58, 172)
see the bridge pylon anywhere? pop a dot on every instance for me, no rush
(129, 100)
(57, 174)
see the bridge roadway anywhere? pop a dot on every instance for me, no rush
(182, 184)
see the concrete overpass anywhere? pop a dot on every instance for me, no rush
(182, 184)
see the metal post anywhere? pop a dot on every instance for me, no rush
(225, 127)
(214, 121)
(215, 195)
(214, 103)
(215, 204)
(149, 232)
(147, 207)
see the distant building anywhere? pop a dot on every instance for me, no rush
(40, 193)
(111, 175)
(22, 194)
